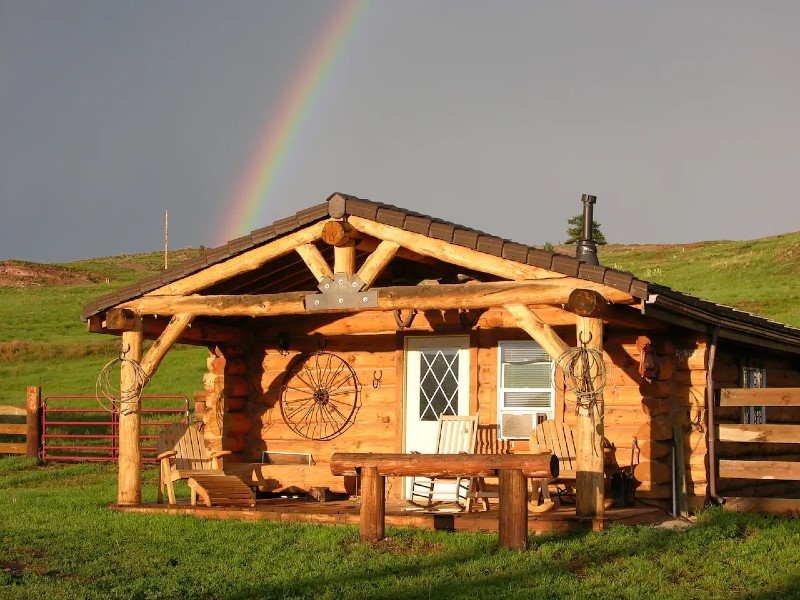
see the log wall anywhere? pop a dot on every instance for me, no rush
(244, 392)
(227, 386)
(372, 344)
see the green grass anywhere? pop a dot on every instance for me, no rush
(60, 541)
(760, 276)
(44, 343)
(180, 373)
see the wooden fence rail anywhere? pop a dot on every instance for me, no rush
(31, 428)
(772, 433)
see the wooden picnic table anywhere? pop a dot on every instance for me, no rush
(512, 471)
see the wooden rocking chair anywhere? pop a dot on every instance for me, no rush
(183, 455)
(456, 435)
(557, 438)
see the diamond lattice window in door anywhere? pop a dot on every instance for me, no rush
(438, 383)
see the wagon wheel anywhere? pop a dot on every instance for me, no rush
(319, 396)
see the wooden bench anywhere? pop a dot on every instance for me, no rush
(511, 469)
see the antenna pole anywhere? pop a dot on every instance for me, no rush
(166, 238)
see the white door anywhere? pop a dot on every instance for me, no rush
(436, 383)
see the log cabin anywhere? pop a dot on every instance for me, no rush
(353, 325)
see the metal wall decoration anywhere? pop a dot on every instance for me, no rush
(404, 323)
(320, 395)
(648, 366)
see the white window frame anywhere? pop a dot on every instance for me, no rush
(538, 413)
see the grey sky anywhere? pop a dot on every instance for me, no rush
(681, 117)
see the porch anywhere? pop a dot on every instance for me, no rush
(401, 514)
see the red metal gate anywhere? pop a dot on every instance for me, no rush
(78, 428)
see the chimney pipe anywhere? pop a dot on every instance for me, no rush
(586, 248)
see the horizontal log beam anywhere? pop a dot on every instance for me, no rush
(586, 303)
(433, 297)
(200, 334)
(120, 319)
(339, 233)
(540, 466)
(759, 397)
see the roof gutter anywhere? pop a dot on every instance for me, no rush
(712, 425)
(662, 307)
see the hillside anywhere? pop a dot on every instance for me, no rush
(761, 276)
(43, 342)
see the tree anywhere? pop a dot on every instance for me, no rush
(575, 231)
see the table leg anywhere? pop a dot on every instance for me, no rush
(513, 519)
(373, 505)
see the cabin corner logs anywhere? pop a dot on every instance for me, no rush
(642, 401)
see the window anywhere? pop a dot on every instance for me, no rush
(525, 390)
(438, 386)
(754, 377)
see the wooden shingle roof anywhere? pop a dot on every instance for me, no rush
(657, 300)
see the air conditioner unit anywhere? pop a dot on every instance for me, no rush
(518, 425)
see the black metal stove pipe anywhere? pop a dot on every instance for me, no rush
(586, 250)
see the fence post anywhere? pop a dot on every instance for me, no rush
(33, 420)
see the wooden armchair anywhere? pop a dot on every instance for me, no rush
(557, 438)
(182, 455)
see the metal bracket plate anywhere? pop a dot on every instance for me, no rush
(341, 292)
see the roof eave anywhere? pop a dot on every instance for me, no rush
(663, 307)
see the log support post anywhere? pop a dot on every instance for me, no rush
(342, 236)
(344, 259)
(590, 495)
(130, 419)
(33, 421)
(373, 505)
(314, 260)
(513, 518)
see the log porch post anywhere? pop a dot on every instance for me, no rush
(590, 495)
(130, 421)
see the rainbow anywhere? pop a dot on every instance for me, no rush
(282, 129)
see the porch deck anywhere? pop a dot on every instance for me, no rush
(401, 514)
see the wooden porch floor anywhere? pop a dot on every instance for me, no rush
(346, 512)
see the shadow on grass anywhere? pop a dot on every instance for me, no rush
(570, 565)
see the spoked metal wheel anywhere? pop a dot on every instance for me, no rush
(319, 396)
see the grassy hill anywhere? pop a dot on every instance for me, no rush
(760, 276)
(43, 342)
